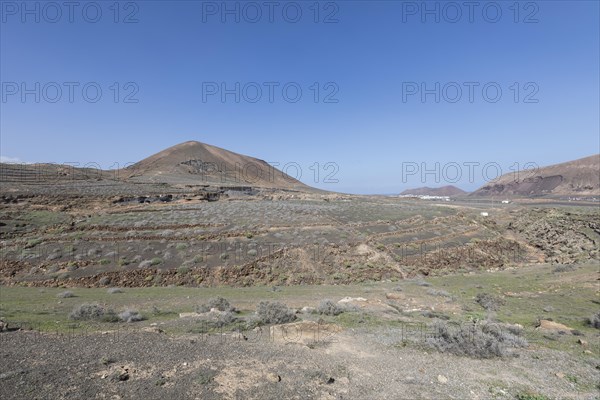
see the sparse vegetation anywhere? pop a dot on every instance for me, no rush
(182, 270)
(328, 307)
(104, 281)
(329, 251)
(564, 268)
(71, 267)
(130, 316)
(93, 312)
(218, 303)
(105, 360)
(531, 396)
(572, 378)
(272, 312)
(433, 314)
(206, 376)
(225, 318)
(518, 308)
(32, 243)
(594, 320)
(481, 340)
(438, 293)
(489, 302)
(328, 254)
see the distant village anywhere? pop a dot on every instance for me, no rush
(425, 197)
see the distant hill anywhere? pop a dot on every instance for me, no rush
(440, 191)
(199, 163)
(189, 163)
(573, 178)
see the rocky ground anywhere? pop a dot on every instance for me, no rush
(292, 240)
(523, 282)
(379, 347)
(155, 366)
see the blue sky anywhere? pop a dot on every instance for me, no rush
(368, 61)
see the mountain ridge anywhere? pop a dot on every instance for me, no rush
(580, 177)
(448, 190)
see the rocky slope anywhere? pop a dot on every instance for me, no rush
(574, 178)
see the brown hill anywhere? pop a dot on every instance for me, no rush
(45, 173)
(441, 191)
(199, 163)
(574, 178)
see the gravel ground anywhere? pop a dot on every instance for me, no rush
(349, 365)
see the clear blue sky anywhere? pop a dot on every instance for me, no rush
(368, 54)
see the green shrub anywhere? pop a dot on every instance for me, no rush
(32, 243)
(183, 270)
(156, 261)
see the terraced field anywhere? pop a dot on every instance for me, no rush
(372, 283)
(298, 239)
